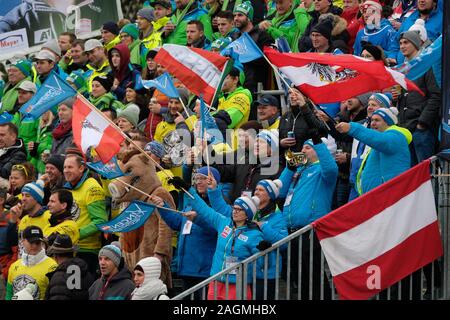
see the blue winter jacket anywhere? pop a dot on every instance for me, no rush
(274, 229)
(388, 157)
(313, 192)
(237, 243)
(433, 26)
(195, 250)
(384, 37)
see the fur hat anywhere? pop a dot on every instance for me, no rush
(389, 115)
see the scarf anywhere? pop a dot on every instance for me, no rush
(277, 20)
(179, 16)
(56, 219)
(149, 290)
(61, 130)
(30, 260)
(212, 9)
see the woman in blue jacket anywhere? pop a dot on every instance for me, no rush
(237, 239)
(271, 223)
(196, 244)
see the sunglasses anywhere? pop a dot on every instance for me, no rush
(20, 167)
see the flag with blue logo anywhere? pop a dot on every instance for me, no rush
(52, 92)
(133, 217)
(163, 83)
(245, 47)
(209, 129)
(109, 170)
(430, 57)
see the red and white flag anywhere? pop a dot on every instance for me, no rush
(91, 129)
(383, 236)
(328, 78)
(199, 70)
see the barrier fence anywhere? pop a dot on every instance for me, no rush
(303, 273)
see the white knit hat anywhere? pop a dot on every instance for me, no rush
(250, 205)
(419, 26)
(389, 115)
(272, 187)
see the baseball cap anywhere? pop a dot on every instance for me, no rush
(33, 234)
(27, 86)
(268, 100)
(91, 44)
(45, 55)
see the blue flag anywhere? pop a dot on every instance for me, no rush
(430, 57)
(163, 83)
(132, 218)
(5, 117)
(53, 91)
(109, 170)
(208, 125)
(245, 47)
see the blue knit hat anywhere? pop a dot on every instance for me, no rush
(156, 148)
(389, 115)
(5, 117)
(35, 189)
(270, 136)
(204, 171)
(250, 205)
(384, 99)
(272, 187)
(131, 29)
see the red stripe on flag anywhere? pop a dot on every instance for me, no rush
(418, 250)
(80, 112)
(190, 79)
(109, 144)
(372, 203)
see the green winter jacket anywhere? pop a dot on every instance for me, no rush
(45, 139)
(181, 19)
(10, 95)
(284, 26)
(28, 129)
(302, 17)
(135, 52)
(106, 101)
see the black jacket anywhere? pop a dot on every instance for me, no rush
(60, 279)
(59, 146)
(119, 287)
(10, 156)
(414, 108)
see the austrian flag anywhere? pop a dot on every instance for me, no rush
(382, 237)
(90, 129)
(199, 70)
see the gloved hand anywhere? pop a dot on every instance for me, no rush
(179, 183)
(263, 245)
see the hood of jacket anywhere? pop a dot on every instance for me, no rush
(15, 147)
(403, 131)
(124, 68)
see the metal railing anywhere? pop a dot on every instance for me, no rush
(310, 278)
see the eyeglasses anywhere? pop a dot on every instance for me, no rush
(237, 209)
(20, 167)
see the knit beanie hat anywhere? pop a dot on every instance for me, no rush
(245, 8)
(413, 37)
(58, 161)
(106, 82)
(24, 66)
(324, 28)
(151, 267)
(204, 172)
(419, 26)
(132, 30)
(375, 51)
(389, 115)
(156, 148)
(112, 27)
(131, 113)
(35, 189)
(5, 117)
(383, 99)
(270, 136)
(250, 205)
(272, 187)
(112, 252)
(147, 13)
